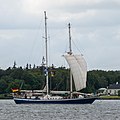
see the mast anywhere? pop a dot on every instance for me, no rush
(46, 53)
(70, 47)
(70, 53)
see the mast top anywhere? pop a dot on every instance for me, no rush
(45, 15)
(70, 47)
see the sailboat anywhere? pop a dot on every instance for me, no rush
(78, 72)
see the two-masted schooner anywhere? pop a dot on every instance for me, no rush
(78, 73)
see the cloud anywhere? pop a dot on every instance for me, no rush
(28, 14)
(95, 29)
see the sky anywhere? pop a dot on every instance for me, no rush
(95, 32)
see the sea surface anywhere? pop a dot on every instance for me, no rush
(99, 110)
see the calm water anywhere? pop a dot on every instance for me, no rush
(99, 110)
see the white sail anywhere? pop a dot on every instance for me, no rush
(79, 70)
(82, 63)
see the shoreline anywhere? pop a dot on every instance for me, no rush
(109, 98)
(6, 98)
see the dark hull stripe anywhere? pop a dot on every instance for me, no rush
(60, 101)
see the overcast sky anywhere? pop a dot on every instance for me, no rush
(95, 30)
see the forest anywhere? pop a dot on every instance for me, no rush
(33, 78)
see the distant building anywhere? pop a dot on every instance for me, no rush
(113, 89)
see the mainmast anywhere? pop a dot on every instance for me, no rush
(46, 53)
(70, 53)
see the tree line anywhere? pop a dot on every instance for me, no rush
(29, 78)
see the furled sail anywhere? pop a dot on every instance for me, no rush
(78, 68)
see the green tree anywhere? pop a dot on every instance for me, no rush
(3, 86)
(119, 93)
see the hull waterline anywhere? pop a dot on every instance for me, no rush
(60, 101)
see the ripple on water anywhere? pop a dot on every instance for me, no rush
(99, 110)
